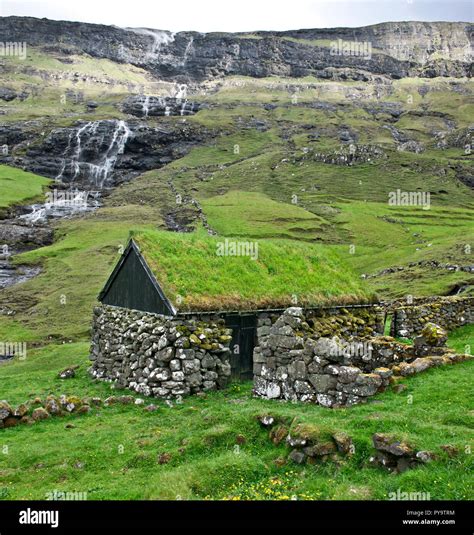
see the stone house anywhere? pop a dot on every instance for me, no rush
(164, 328)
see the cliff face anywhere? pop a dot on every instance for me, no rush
(393, 49)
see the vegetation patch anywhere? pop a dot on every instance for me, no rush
(207, 275)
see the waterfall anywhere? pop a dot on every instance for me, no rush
(159, 38)
(116, 147)
(146, 106)
(181, 91)
(83, 157)
(188, 50)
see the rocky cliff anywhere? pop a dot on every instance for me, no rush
(395, 49)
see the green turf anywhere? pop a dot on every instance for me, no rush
(113, 452)
(17, 186)
(208, 274)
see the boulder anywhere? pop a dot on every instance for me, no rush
(5, 410)
(297, 457)
(389, 444)
(67, 373)
(39, 414)
(343, 442)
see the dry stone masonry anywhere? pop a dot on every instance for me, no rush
(448, 312)
(293, 362)
(329, 356)
(159, 356)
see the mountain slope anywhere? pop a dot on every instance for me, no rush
(397, 49)
(305, 158)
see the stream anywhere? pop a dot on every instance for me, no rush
(29, 227)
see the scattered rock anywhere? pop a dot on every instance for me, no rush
(396, 455)
(343, 442)
(266, 420)
(21, 410)
(67, 373)
(164, 458)
(297, 457)
(425, 456)
(40, 414)
(391, 445)
(5, 410)
(53, 407)
(11, 421)
(451, 450)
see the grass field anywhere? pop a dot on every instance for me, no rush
(113, 452)
(17, 186)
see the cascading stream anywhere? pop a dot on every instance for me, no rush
(81, 160)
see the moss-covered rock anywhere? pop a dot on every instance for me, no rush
(39, 414)
(5, 410)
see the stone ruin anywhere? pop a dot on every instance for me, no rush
(159, 356)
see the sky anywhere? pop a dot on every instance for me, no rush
(240, 15)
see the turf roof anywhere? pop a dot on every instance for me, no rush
(200, 272)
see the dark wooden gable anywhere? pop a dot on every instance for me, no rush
(133, 285)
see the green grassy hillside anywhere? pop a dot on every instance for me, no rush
(271, 173)
(218, 449)
(19, 187)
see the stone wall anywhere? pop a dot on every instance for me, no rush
(358, 320)
(448, 312)
(159, 356)
(292, 362)
(332, 356)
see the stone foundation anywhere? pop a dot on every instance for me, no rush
(159, 356)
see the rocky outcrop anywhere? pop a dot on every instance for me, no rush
(395, 49)
(105, 153)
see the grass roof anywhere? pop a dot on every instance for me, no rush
(195, 276)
